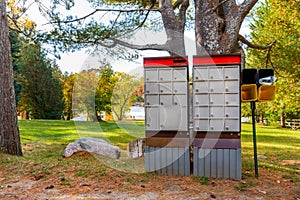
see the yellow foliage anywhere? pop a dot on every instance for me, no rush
(17, 19)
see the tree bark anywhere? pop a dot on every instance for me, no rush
(174, 26)
(9, 130)
(218, 24)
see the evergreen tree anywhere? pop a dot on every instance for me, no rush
(42, 92)
(15, 52)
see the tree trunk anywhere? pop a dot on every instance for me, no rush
(282, 120)
(174, 27)
(9, 130)
(218, 24)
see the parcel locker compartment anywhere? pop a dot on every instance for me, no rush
(216, 112)
(151, 75)
(201, 87)
(152, 118)
(216, 124)
(173, 118)
(165, 88)
(152, 99)
(165, 74)
(151, 88)
(231, 73)
(180, 75)
(180, 100)
(180, 88)
(232, 125)
(201, 125)
(232, 112)
(232, 99)
(216, 99)
(200, 74)
(166, 100)
(215, 73)
(216, 86)
(232, 86)
(201, 100)
(201, 112)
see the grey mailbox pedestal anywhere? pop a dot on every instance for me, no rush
(167, 148)
(216, 116)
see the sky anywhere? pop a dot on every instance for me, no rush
(79, 60)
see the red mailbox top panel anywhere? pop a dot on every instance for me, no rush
(217, 59)
(166, 62)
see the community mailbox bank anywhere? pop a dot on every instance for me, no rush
(193, 130)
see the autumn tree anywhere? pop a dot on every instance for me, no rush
(104, 90)
(123, 92)
(9, 131)
(68, 87)
(279, 21)
(83, 98)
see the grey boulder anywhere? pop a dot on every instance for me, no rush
(92, 145)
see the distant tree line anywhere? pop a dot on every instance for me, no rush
(42, 91)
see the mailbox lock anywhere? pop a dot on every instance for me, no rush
(161, 91)
(211, 102)
(226, 77)
(175, 103)
(211, 90)
(227, 115)
(226, 128)
(211, 77)
(197, 115)
(211, 115)
(227, 90)
(161, 103)
(196, 78)
(197, 90)
(148, 91)
(161, 79)
(227, 102)
(175, 90)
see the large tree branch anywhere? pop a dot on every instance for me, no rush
(182, 11)
(254, 46)
(177, 4)
(106, 10)
(115, 42)
(217, 6)
(246, 6)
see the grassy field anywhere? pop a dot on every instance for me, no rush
(280, 146)
(63, 132)
(44, 141)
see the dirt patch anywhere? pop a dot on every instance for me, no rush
(290, 162)
(72, 182)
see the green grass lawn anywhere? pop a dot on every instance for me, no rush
(43, 142)
(52, 132)
(279, 145)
